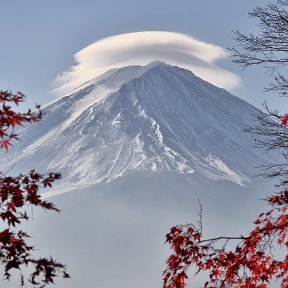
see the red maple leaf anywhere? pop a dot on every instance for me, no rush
(284, 120)
(5, 144)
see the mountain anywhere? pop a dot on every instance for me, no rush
(152, 118)
(149, 142)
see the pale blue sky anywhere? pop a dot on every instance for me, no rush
(39, 38)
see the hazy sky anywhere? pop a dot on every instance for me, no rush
(40, 38)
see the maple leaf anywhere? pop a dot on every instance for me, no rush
(5, 144)
(284, 120)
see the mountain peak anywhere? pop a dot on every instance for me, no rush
(156, 64)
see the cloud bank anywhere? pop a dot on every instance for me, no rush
(141, 48)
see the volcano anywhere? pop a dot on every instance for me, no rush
(138, 147)
(142, 118)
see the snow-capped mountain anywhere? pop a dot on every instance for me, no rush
(156, 117)
(136, 122)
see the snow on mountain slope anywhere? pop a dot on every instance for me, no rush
(156, 117)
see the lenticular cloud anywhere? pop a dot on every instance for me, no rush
(141, 48)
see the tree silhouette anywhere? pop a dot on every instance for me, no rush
(16, 195)
(251, 263)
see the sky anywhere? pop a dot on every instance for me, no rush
(42, 42)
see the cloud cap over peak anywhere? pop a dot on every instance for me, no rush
(141, 48)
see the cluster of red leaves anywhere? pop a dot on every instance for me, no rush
(252, 263)
(284, 120)
(16, 194)
(9, 118)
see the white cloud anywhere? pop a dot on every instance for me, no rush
(141, 48)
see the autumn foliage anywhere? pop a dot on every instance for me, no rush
(16, 195)
(250, 264)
